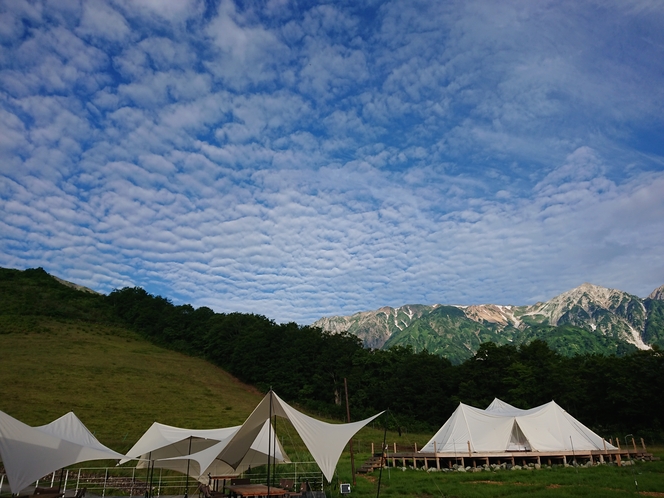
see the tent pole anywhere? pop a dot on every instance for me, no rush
(352, 458)
(151, 478)
(274, 458)
(269, 444)
(62, 471)
(382, 459)
(147, 477)
(186, 491)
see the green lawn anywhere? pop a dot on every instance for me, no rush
(598, 481)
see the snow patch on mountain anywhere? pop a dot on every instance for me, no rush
(493, 313)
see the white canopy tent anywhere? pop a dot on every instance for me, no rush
(169, 448)
(503, 427)
(165, 441)
(29, 453)
(324, 441)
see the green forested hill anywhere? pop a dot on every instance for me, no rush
(447, 331)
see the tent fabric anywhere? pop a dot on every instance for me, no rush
(165, 441)
(503, 427)
(207, 462)
(499, 406)
(324, 441)
(29, 453)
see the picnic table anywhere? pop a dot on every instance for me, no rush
(255, 490)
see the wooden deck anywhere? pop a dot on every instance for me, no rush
(478, 459)
(410, 457)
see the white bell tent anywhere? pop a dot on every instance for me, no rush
(29, 453)
(503, 427)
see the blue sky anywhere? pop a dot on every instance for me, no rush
(301, 159)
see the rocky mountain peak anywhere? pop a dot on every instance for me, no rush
(657, 294)
(492, 313)
(583, 296)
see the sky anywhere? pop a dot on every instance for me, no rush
(299, 159)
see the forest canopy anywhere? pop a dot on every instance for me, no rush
(307, 366)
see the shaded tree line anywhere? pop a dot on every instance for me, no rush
(307, 366)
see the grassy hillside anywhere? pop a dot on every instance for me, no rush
(61, 350)
(116, 382)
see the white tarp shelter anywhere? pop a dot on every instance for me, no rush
(166, 441)
(29, 453)
(324, 441)
(197, 451)
(503, 427)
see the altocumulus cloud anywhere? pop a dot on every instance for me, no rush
(305, 161)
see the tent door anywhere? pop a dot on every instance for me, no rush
(518, 441)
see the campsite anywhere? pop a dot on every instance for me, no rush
(118, 384)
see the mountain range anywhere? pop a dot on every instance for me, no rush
(586, 319)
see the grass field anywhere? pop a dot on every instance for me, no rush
(559, 482)
(115, 382)
(118, 384)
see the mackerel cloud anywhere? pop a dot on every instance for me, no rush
(306, 162)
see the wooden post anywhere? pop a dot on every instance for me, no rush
(618, 461)
(372, 450)
(643, 444)
(352, 457)
(435, 448)
(618, 443)
(604, 442)
(470, 453)
(634, 444)
(415, 447)
(395, 447)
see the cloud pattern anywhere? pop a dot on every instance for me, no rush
(299, 162)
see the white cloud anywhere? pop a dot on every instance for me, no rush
(245, 54)
(175, 11)
(100, 21)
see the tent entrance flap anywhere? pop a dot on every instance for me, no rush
(518, 440)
